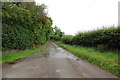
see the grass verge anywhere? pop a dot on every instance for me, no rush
(106, 60)
(11, 56)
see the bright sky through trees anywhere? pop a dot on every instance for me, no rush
(72, 16)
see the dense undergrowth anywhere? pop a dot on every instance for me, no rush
(106, 60)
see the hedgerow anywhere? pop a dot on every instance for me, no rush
(16, 37)
(67, 39)
(102, 39)
(24, 24)
(107, 38)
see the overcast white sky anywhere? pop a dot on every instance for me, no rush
(72, 16)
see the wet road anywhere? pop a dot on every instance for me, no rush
(55, 62)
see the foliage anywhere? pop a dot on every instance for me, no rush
(24, 24)
(105, 60)
(108, 38)
(16, 37)
(101, 47)
(67, 39)
(57, 34)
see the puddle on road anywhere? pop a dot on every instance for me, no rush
(59, 53)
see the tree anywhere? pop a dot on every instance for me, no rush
(24, 24)
(57, 33)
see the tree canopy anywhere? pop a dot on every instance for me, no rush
(24, 24)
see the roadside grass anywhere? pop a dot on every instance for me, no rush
(106, 60)
(11, 56)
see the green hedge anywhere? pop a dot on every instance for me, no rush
(17, 16)
(16, 37)
(23, 26)
(67, 39)
(107, 38)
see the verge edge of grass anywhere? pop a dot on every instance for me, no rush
(106, 60)
(12, 56)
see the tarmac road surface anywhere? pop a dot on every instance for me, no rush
(55, 62)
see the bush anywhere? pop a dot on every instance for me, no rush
(101, 47)
(16, 37)
(108, 37)
(67, 39)
(56, 37)
(23, 25)
(17, 16)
